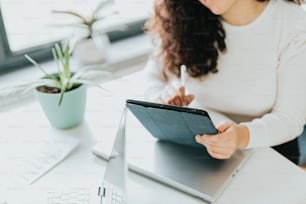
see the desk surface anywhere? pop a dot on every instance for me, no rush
(266, 178)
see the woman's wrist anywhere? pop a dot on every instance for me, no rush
(243, 136)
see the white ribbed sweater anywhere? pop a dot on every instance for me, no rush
(262, 75)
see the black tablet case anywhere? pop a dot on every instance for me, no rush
(172, 123)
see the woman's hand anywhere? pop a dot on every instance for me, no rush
(175, 96)
(223, 145)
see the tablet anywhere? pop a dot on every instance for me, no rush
(172, 123)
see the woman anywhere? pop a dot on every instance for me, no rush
(245, 59)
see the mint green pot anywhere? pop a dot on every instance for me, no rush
(70, 113)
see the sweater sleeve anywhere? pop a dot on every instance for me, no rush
(287, 117)
(152, 75)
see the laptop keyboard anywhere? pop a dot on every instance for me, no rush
(69, 196)
(111, 194)
(117, 197)
(65, 195)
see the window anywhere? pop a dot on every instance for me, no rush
(29, 26)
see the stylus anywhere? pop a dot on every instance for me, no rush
(103, 150)
(183, 75)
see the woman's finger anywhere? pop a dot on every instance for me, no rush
(217, 155)
(186, 100)
(220, 149)
(189, 98)
(199, 139)
(217, 152)
(181, 91)
(223, 126)
(218, 143)
(217, 139)
(173, 95)
(177, 100)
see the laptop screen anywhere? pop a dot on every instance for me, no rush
(115, 176)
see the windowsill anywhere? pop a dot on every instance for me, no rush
(122, 56)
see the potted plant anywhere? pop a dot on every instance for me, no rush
(89, 45)
(62, 94)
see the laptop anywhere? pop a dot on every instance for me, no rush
(186, 168)
(113, 188)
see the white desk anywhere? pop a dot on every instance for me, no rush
(266, 178)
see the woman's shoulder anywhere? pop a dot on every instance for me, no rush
(291, 11)
(292, 22)
(291, 18)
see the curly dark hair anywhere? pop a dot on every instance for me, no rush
(190, 34)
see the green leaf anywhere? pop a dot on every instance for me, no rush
(63, 89)
(61, 97)
(24, 88)
(73, 13)
(56, 60)
(39, 67)
(78, 25)
(59, 54)
(19, 89)
(67, 65)
(70, 84)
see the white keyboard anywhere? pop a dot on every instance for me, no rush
(111, 194)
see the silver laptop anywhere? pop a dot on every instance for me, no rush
(185, 168)
(113, 188)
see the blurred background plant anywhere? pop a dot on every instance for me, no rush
(89, 44)
(87, 23)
